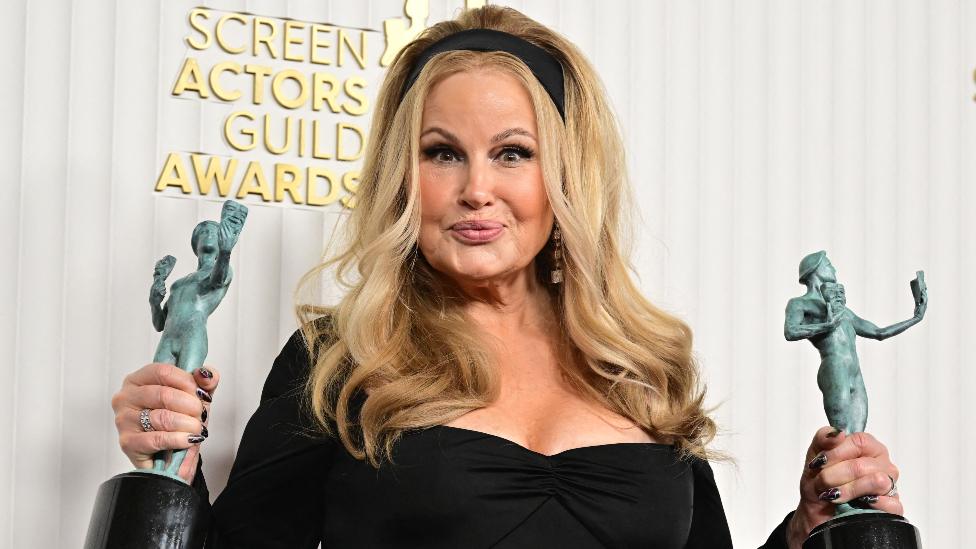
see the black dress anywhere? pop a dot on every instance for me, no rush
(454, 488)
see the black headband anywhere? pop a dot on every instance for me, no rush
(543, 65)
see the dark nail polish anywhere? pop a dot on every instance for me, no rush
(195, 439)
(830, 495)
(869, 500)
(818, 461)
(205, 373)
(204, 395)
(203, 416)
(205, 433)
(834, 433)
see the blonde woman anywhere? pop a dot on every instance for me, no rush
(492, 377)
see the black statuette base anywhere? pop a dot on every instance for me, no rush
(139, 510)
(865, 531)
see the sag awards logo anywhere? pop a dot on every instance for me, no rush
(283, 105)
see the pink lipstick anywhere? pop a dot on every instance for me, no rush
(477, 231)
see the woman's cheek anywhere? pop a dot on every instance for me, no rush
(435, 194)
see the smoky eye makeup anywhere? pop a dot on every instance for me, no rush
(438, 151)
(445, 153)
(526, 152)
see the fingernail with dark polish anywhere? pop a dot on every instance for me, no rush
(834, 433)
(818, 461)
(203, 416)
(204, 395)
(870, 500)
(205, 433)
(830, 495)
(206, 374)
(195, 439)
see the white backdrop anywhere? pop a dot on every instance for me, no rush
(757, 131)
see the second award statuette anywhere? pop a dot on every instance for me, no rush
(155, 508)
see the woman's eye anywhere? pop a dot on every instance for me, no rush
(441, 154)
(515, 154)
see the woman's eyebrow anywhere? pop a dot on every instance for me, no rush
(498, 137)
(510, 132)
(447, 135)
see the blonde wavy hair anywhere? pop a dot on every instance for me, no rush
(401, 333)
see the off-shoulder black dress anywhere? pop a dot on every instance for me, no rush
(454, 488)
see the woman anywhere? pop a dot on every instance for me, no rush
(492, 378)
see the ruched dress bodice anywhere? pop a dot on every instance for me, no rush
(450, 487)
(472, 489)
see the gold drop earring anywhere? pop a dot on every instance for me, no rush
(556, 275)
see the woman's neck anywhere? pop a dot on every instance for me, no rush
(509, 305)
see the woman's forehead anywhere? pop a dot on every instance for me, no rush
(480, 96)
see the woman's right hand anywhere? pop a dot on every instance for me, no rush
(841, 468)
(179, 404)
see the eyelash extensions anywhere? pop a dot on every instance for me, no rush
(526, 152)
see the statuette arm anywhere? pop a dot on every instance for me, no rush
(158, 291)
(794, 329)
(867, 329)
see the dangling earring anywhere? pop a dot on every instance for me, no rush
(556, 275)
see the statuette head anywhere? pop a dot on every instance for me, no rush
(818, 263)
(204, 237)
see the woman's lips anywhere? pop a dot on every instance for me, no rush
(477, 231)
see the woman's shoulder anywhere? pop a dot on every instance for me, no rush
(294, 362)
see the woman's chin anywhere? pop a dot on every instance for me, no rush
(481, 265)
(476, 274)
(480, 271)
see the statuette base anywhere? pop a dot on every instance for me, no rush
(142, 510)
(865, 531)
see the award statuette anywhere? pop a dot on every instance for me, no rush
(155, 508)
(821, 315)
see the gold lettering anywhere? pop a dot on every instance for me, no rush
(260, 182)
(350, 180)
(246, 131)
(315, 44)
(315, 143)
(259, 72)
(267, 136)
(173, 174)
(343, 126)
(301, 137)
(354, 86)
(314, 174)
(277, 88)
(319, 79)
(296, 39)
(360, 56)
(218, 90)
(212, 171)
(190, 79)
(220, 32)
(290, 185)
(267, 39)
(203, 14)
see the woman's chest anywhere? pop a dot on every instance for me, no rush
(453, 487)
(542, 412)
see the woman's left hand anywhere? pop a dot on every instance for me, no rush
(842, 468)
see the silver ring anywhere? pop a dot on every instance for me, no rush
(147, 425)
(894, 488)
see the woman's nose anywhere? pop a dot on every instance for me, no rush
(478, 190)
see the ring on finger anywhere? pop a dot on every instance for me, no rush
(894, 487)
(144, 420)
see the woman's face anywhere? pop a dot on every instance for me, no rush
(484, 209)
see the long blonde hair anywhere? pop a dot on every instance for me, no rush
(401, 331)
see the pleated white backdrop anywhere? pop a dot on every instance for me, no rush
(757, 131)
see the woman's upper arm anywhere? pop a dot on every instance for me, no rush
(709, 527)
(274, 495)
